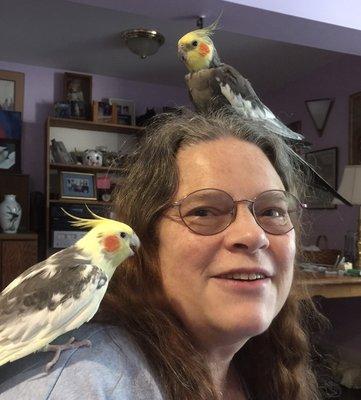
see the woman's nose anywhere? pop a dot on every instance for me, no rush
(244, 232)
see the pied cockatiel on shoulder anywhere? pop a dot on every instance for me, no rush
(213, 85)
(62, 292)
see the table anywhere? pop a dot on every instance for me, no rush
(318, 284)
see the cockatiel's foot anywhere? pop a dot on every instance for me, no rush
(58, 348)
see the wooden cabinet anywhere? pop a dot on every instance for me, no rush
(80, 135)
(17, 253)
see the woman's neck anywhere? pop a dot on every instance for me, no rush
(226, 380)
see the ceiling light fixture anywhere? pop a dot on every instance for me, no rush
(142, 42)
(319, 110)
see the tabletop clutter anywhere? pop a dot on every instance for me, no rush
(318, 258)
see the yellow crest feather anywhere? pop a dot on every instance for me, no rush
(208, 31)
(85, 222)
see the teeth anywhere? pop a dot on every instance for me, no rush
(245, 277)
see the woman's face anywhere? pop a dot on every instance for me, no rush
(196, 269)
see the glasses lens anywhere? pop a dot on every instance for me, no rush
(277, 211)
(207, 211)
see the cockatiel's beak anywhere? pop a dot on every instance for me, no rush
(134, 243)
(182, 55)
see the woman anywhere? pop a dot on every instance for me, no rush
(209, 309)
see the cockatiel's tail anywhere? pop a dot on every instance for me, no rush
(197, 50)
(64, 291)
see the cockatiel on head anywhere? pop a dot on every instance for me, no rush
(213, 85)
(64, 291)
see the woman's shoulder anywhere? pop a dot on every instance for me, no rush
(112, 368)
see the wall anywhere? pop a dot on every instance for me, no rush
(43, 87)
(338, 80)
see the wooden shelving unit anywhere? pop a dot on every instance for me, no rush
(82, 168)
(84, 130)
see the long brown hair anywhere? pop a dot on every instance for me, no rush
(275, 364)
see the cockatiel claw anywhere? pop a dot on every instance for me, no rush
(58, 348)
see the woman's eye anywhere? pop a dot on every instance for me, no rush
(194, 43)
(203, 212)
(274, 213)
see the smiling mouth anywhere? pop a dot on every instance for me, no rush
(243, 277)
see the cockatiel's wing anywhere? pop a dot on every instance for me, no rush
(49, 299)
(225, 86)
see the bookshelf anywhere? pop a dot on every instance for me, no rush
(81, 135)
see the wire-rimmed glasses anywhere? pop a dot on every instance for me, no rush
(210, 211)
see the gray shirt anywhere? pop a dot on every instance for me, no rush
(112, 369)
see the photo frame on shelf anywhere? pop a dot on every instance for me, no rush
(77, 185)
(125, 111)
(10, 156)
(104, 112)
(325, 163)
(354, 138)
(11, 91)
(78, 92)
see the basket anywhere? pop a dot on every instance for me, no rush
(327, 256)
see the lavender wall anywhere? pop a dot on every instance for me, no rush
(43, 87)
(338, 80)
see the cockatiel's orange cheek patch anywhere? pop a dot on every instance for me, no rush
(111, 243)
(203, 49)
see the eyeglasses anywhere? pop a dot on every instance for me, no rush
(210, 211)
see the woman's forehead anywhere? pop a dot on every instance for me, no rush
(227, 163)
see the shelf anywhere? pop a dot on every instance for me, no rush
(80, 201)
(94, 126)
(19, 236)
(82, 168)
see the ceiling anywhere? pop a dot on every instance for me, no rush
(80, 37)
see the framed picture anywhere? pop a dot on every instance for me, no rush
(78, 92)
(354, 138)
(77, 185)
(11, 91)
(104, 112)
(125, 111)
(10, 157)
(10, 124)
(325, 163)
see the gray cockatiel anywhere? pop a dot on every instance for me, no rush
(213, 85)
(64, 291)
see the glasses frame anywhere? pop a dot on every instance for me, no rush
(178, 204)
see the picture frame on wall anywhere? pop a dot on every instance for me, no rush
(12, 91)
(325, 164)
(77, 185)
(10, 156)
(354, 138)
(10, 125)
(78, 93)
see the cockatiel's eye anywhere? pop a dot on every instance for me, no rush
(123, 234)
(195, 43)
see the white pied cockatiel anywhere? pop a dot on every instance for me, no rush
(62, 292)
(213, 85)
